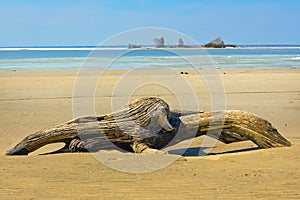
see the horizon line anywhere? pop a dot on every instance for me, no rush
(143, 45)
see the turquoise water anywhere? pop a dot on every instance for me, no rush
(73, 58)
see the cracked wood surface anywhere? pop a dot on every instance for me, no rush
(148, 124)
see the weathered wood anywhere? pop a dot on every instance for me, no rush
(137, 120)
(147, 124)
(236, 125)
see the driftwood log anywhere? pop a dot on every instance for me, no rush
(147, 125)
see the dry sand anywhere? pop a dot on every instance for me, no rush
(30, 101)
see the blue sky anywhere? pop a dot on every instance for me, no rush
(88, 22)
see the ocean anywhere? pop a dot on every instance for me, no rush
(120, 57)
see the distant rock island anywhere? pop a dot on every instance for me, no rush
(159, 43)
(218, 43)
(133, 46)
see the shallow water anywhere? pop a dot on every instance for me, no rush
(113, 58)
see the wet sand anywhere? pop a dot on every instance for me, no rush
(31, 101)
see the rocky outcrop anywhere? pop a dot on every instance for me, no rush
(218, 43)
(134, 46)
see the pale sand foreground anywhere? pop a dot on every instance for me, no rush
(30, 101)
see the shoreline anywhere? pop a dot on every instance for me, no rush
(149, 69)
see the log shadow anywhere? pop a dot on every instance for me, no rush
(193, 151)
(200, 151)
(94, 148)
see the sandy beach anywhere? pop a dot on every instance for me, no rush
(35, 100)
